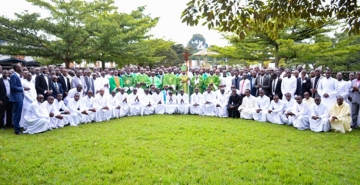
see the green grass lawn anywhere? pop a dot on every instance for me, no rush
(176, 149)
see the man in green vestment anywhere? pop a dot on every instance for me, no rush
(154, 80)
(197, 81)
(115, 81)
(143, 79)
(128, 81)
(170, 80)
(184, 82)
(212, 80)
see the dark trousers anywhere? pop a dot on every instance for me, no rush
(6, 108)
(233, 113)
(17, 108)
(354, 113)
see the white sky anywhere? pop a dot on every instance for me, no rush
(169, 26)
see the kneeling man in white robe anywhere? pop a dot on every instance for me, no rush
(56, 119)
(148, 103)
(289, 104)
(171, 104)
(80, 115)
(88, 104)
(247, 106)
(275, 111)
(221, 104)
(135, 105)
(37, 118)
(262, 104)
(159, 105)
(122, 100)
(101, 100)
(60, 106)
(197, 101)
(114, 105)
(209, 105)
(299, 116)
(319, 121)
(183, 102)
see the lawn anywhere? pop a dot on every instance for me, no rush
(174, 149)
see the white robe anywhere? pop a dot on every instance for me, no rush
(183, 106)
(277, 110)
(36, 119)
(123, 102)
(76, 108)
(148, 99)
(60, 106)
(102, 82)
(199, 99)
(344, 87)
(247, 106)
(54, 122)
(301, 118)
(288, 85)
(309, 101)
(171, 105)
(209, 108)
(159, 108)
(329, 86)
(226, 81)
(29, 97)
(222, 100)
(113, 104)
(321, 124)
(71, 95)
(87, 104)
(102, 101)
(135, 105)
(262, 103)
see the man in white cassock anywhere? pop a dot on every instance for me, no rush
(275, 111)
(134, 102)
(78, 112)
(103, 81)
(88, 103)
(122, 100)
(101, 101)
(221, 104)
(288, 103)
(56, 119)
(288, 84)
(171, 103)
(183, 103)
(247, 106)
(114, 105)
(226, 81)
(159, 105)
(60, 106)
(300, 114)
(72, 92)
(209, 103)
(319, 121)
(308, 99)
(262, 104)
(197, 101)
(148, 103)
(140, 91)
(29, 97)
(343, 87)
(37, 118)
(328, 89)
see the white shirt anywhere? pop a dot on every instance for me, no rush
(222, 99)
(288, 85)
(209, 97)
(172, 101)
(320, 110)
(302, 109)
(276, 107)
(243, 85)
(344, 88)
(329, 86)
(262, 103)
(248, 102)
(7, 86)
(88, 103)
(71, 94)
(197, 98)
(121, 97)
(288, 105)
(184, 97)
(101, 101)
(60, 105)
(29, 95)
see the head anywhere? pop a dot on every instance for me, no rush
(90, 93)
(50, 100)
(317, 72)
(77, 96)
(40, 98)
(339, 76)
(166, 87)
(5, 74)
(222, 90)
(196, 90)
(208, 89)
(113, 93)
(182, 92)
(79, 88)
(351, 76)
(101, 92)
(312, 74)
(339, 100)
(59, 97)
(261, 93)
(273, 76)
(54, 78)
(29, 77)
(276, 98)
(296, 74)
(17, 68)
(288, 96)
(170, 93)
(247, 92)
(244, 76)
(358, 75)
(146, 91)
(298, 99)
(134, 91)
(317, 100)
(262, 72)
(328, 74)
(303, 73)
(233, 92)
(288, 73)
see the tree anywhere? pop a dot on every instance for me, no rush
(238, 16)
(196, 43)
(75, 30)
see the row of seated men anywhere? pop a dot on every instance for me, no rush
(303, 114)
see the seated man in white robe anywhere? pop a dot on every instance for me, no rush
(56, 119)
(197, 101)
(171, 104)
(37, 118)
(134, 102)
(159, 105)
(247, 106)
(209, 102)
(262, 104)
(72, 92)
(140, 91)
(340, 119)
(78, 112)
(275, 110)
(60, 106)
(288, 103)
(308, 99)
(183, 103)
(122, 100)
(114, 105)
(148, 103)
(221, 104)
(319, 121)
(300, 114)
(88, 103)
(101, 100)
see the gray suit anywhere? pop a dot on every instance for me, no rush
(89, 83)
(355, 101)
(75, 82)
(265, 85)
(315, 87)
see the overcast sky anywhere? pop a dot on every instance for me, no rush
(169, 26)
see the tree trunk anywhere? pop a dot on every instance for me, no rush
(103, 65)
(67, 64)
(277, 58)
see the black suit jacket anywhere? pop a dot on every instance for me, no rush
(265, 85)
(234, 101)
(3, 96)
(277, 88)
(62, 81)
(301, 87)
(41, 86)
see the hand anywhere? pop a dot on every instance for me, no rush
(326, 95)
(92, 110)
(66, 112)
(196, 104)
(59, 117)
(257, 111)
(217, 105)
(118, 89)
(26, 88)
(269, 111)
(207, 102)
(349, 98)
(84, 112)
(159, 102)
(106, 108)
(66, 93)
(51, 114)
(333, 118)
(231, 107)
(1, 103)
(149, 105)
(106, 85)
(355, 89)
(118, 107)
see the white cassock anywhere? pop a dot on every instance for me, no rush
(288, 107)
(288, 85)
(29, 97)
(209, 108)
(102, 101)
(159, 108)
(309, 101)
(262, 103)
(60, 106)
(277, 110)
(71, 95)
(222, 100)
(113, 103)
(135, 105)
(54, 122)
(97, 85)
(247, 106)
(226, 81)
(87, 104)
(171, 105)
(322, 123)
(329, 86)
(125, 108)
(76, 108)
(102, 82)
(199, 99)
(140, 91)
(301, 118)
(183, 104)
(36, 119)
(344, 87)
(146, 100)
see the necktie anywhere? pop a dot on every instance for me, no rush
(57, 87)
(273, 87)
(261, 80)
(236, 83)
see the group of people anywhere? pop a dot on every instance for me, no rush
(36, 100)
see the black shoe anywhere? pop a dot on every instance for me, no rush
(354, 127)
(18, 133)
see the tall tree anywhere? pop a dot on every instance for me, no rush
(196, 43)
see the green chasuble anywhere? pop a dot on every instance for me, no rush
(214, 79)
(142, 78)
(197, 83)
(128, 81)
(184, 82)
(115, 82)
(155, 81)
(170, 80)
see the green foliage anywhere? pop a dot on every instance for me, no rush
(191, 150)
(196, 43)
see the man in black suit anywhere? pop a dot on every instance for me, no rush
(263, 82)
(233, 104)
(57, 88)
(275, 88)
(5, 104)
(236, 80)
(303, 84)
(65, 82)
(43, 84)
